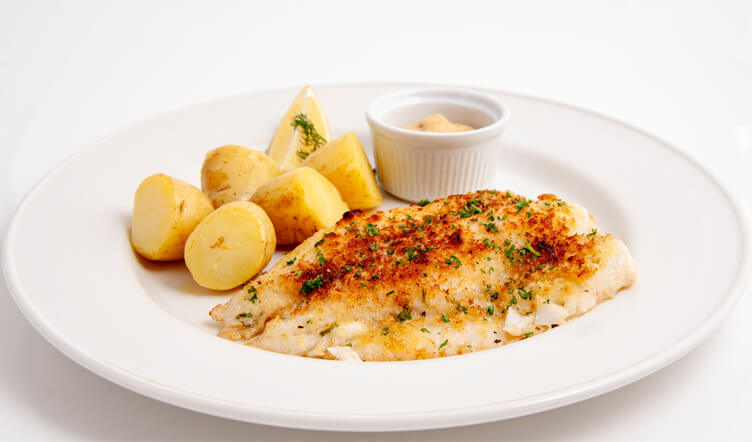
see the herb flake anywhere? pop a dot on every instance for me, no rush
(309, 136)
(311, 285)
(404, 315)
(326, 331)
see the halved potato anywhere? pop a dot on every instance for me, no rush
(233, 173)
(165, 212)
(343, 162)
(303, 129)
(230, 246)
(299, 203)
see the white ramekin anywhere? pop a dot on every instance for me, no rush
(415, 165)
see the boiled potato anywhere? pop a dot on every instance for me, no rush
(343, 162)
(165, 212)
(230, 246)
(233, 173)
(299, 203)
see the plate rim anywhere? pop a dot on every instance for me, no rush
(375, 422)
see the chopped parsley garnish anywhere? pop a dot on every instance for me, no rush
(422, 203)
(490, 244)
(491, 227)
(319, 242)
(425, 330)
(443, 344)
(389, 292)
(385, 331)
(528, 334)
(445, 317)
(244, 315)
(509, 252)
(320, 256)
(372, 230)
(311, 285)
(309, 136)
(374, 246)
(453, 260)
(525, 294)
(251, 289)
(521, 204)
(404, 315)
(292, 261)
(513, 301)
(326, 331)
(390, 252)
(254, 298)
(530, 249)
(490, 310)
(592, 233)
(470, 208)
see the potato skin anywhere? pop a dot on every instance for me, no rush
(299, 203)
(230, 246)
(165, 212)
(233, 173)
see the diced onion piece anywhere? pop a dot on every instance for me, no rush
(344, 354)
(517, 324)
(550, 314)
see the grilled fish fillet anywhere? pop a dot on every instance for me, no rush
(459, 274)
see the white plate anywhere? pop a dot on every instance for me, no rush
(70, 267)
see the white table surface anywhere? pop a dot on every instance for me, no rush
(72, 72)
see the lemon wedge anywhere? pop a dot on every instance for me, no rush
(303, 129)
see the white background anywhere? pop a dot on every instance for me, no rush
(71, 72)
